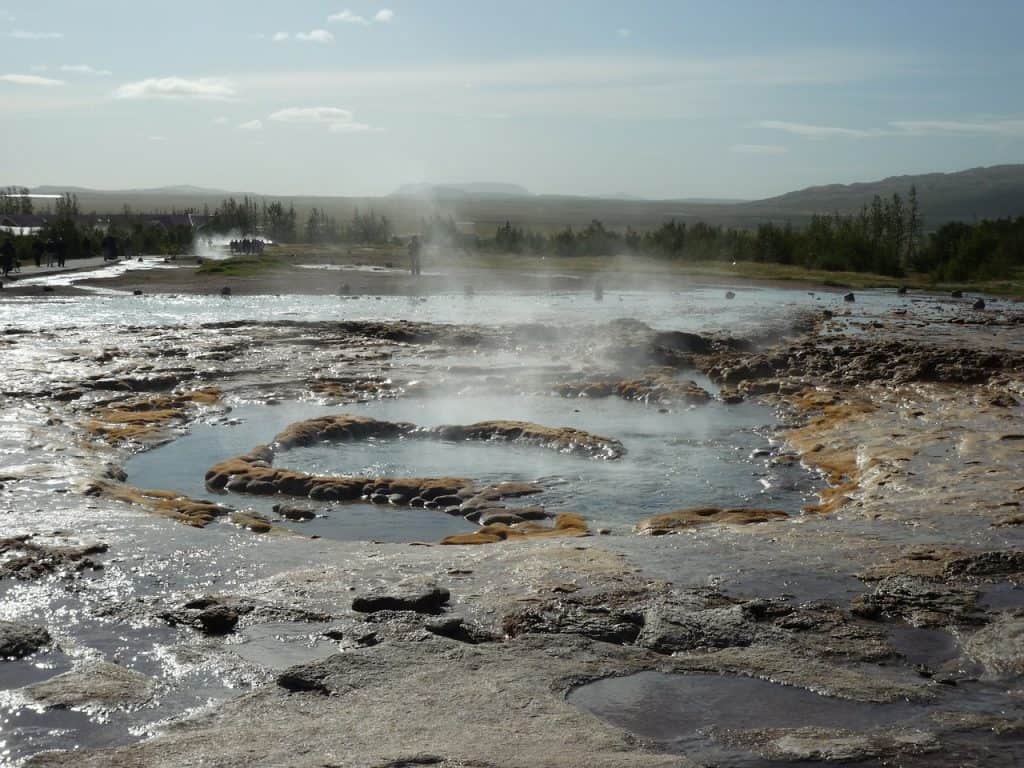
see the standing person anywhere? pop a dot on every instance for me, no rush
(62, 252)
(37, 251)
(414, 255)
(7, 256)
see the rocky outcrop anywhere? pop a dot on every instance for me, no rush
(96, 684)
(919, 602)
(561, 439)
(336, 429)
(683, 519)
(220, 614)
(30, 557)
(18, 640)
(192, 512)
(566, 524)
(999, 647)
(654, 386)
(143, 419)
(859, 360)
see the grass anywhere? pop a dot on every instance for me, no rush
(242, 266)
(284, 256)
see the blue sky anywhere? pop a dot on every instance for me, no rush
(655, 99)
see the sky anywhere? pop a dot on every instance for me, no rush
(659, 99)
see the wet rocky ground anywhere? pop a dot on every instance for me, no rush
(881, 624)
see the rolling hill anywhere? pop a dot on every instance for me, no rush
(978, 193)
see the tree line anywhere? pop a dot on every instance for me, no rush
(282, 225)
(886, 237)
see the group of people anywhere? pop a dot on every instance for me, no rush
(53, 252)
(247, 246)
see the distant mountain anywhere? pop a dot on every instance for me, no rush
(475, 189)
(180, 189)
(993, 192)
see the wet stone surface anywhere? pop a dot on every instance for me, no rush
(840, 584)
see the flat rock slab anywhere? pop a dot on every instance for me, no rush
(435, 702)
(95, 683)
(18, 640)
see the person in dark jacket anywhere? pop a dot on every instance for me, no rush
(7, 256)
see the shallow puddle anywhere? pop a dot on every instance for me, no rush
(680, 710)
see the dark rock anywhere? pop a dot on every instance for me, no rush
(957, 294)
(18, 640)
(919, 602)
(448, 500)
(31, 560)
(849, 297)
(730, 295)
(217, 619)
(614, 617)
(421, 599)
(225, 291)
(294, 513)
(979, 304)
(456, 628)
(902, 290)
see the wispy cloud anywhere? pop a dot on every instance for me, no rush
(157, 138)
(176, 88)
(758, 149)
(311, 115)
(21, 34)
(85, 69)
(347, 17)
(251, 125)
(321, 36)
(897, 128)
(817, 131)
(1010, 128)
(623, 32)
(383, 16)
(222, 120)
(33, 80)
(337, 120)
(6, 15)
(279, 37)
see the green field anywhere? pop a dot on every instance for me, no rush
(285, 256)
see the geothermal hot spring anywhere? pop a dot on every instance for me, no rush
(676, 456)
